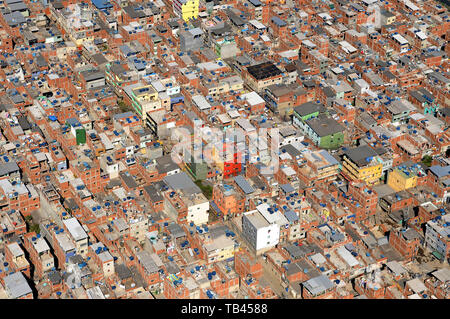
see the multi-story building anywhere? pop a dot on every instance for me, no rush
(437, 237)
(78, 234)
(325, 132)
(320, 166)
(76, 21)
(424, 100)
(261, 230)
(405, 241)
(229, 203)
(103, 258)
(283, 98)
(191, 39)
(362, 163)
(196, 204)
(259, 76)
(142, 98)
(196, 167)
(306, 111)
(15, 256)
(227, 159)
(62, 244)
(39, 252)
(404, 176)
(214, 243)
(186, 9)
(18, 196)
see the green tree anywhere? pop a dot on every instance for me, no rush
(123, 107)
(206, 189)
(426, 160)
(35, 228)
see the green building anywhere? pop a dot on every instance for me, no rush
(306, 111)
(323, 130)
(80, 136)
(77, 130)
(226, 48)
(198, 170)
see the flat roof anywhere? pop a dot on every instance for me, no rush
(318, 285)
(75, 229)
(201, 102)
(257, 24)
(253, 98)
(256, 219)
(15, 249)
(324, 126)
(278, 21)
(400, 39)
(17, 285)
(360, 155)
(181, 181)
(307, 108)
(264, 70)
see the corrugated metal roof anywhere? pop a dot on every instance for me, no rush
(243, 184)
(318, 285)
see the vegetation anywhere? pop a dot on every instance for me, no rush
(206, 189)
(212, 216)
(123, 107)
(426, 160)
(32, 226)
(35, 228)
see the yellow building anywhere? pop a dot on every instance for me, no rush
(214, 243)
(387, 17)
(143, 98)
(404, 176)
(218, 249)
(362, 163)
(186, 9)
(232, 83)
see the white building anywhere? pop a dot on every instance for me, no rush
(79, 236)
(198, 207)
(262, 232)
(192, 196)
(437, 236)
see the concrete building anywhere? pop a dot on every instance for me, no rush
(262, 232)
(191, 40)
(17, 287)
(143, 98)
(191, 195)
(78, 234)
(437, 237)
(186, 9)
(362, 163)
